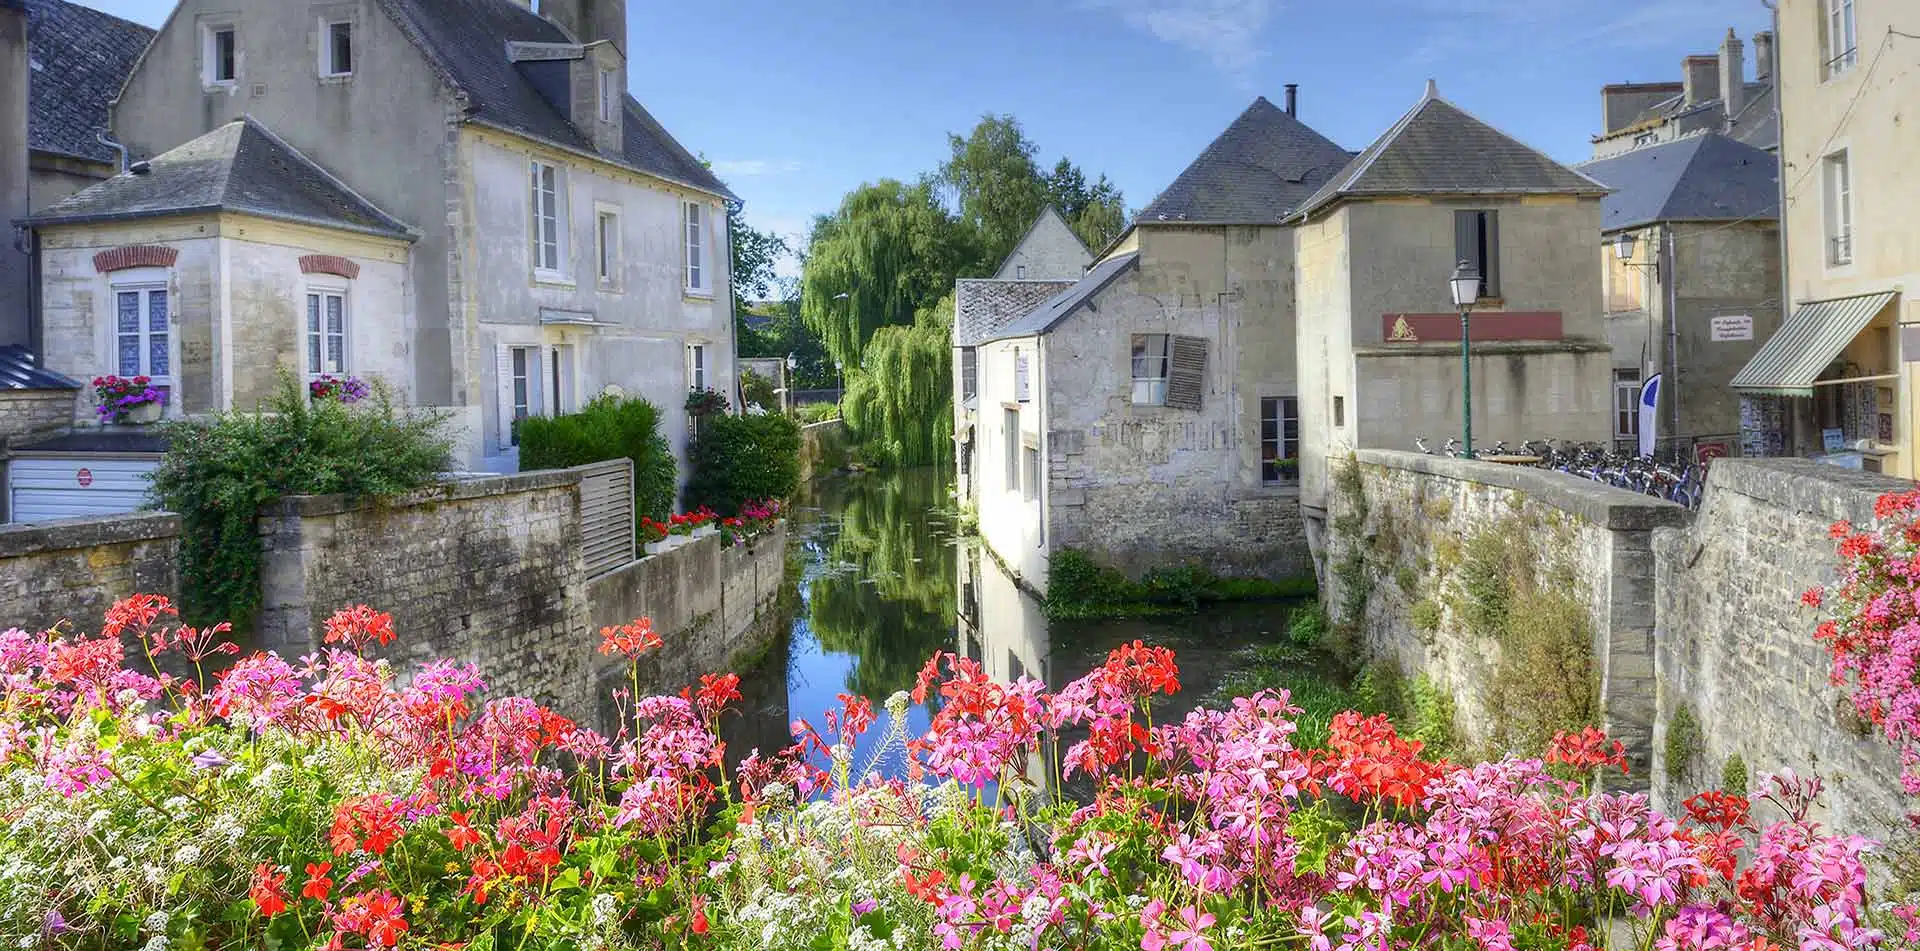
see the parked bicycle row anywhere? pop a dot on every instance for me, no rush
(1670, 475)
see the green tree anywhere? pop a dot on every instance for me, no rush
(999, 189)
(1097, 212)
(889, 250)
(900, 401)
(756, 259)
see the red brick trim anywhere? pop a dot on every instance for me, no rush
(329, 264)
(1487, 326)
(137, 255)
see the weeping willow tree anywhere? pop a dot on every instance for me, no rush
(899, 403)
(874, 263)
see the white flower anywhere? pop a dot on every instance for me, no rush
(604, 907)
(157, 921)
(188, 855)
(156, 943)
(897, 704)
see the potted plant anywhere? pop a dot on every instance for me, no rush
(654, 536)
(128, 400)
(703, 519)
(350, 389)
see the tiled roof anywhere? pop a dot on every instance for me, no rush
(1438, 148)
(78, 60)
(1706, 177)
(241, 166)
(466, 40)
(20, 371)
(1256, 172)
(982, 307)
(1058, 307)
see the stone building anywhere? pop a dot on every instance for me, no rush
(1713, 95)
(1837, 379)
(1148, 414)
(562, 243)
(1048, 259)
(1379, 336)
(1691, 265)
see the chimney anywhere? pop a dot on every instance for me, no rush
(598, 105)
(590, 21)
(1293, 99)
(1763, 56)
(1700, 77)
(16, 267)
(1733, 73)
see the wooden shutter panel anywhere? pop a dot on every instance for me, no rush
(1491, 270)
(1186, 372)
(1466, 237)
(503, 392)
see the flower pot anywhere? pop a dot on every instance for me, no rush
(705, 530)
(660, 547)
(143, 414)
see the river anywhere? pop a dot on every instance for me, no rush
(885, 579)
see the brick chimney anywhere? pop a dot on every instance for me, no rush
(599, 78)
(1293, 99)
(16, 268)
(1733, 73)
(1763, 56)
(1700, 78)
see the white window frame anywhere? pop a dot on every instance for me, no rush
(1626, 403)
(609, 94)
(1150, 389)
(143, 285)
(606, 245)
(696, 367)
(1836, 180)
(1840, 38)
(697, 228)
(524, 387)
(547, 193)
(1029, 472)
(1022, 376)
(329, 64)
(319, 294)
(210, 53)
(1010, 432)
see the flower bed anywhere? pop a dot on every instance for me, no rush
(321, 803)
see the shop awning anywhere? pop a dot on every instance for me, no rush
(1807, 344)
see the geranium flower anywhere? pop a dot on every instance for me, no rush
(318, 885)
(266, 890)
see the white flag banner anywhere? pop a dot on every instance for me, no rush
(1649, 414)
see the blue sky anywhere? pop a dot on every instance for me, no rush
(798, 102)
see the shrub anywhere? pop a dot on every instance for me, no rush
(1080, 587)
(818, 412)
(738, 459)
(1425, 615)
(1544, 682)
(607, 428)
(1429, 717)
(219, 472)
(1733, 776)
(1683, 743)
(1381, 689)
(1407, 577)
(1307, 625)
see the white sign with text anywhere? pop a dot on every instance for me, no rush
(1732, 327)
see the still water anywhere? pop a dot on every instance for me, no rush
(885, 580)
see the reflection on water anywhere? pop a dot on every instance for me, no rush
(886, 582)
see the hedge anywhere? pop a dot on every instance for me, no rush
(608, 427)
(742, 458)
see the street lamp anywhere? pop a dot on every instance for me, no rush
(1466, 290)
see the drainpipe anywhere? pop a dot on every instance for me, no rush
(1672, 385)
(117, 147)
(1780, 209)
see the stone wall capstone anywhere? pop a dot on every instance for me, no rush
(74, 569)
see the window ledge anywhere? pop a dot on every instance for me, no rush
(553, 279)
(336, 79)
(692, 294)
(222, 85)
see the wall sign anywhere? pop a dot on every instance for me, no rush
(1732, 327)
(84, 477)
(1489, 326)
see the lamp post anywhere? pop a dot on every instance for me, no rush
(1466, 290)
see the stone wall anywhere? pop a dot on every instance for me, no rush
(75, 568)
(28, 413)
(1736, 649)
(823, 448)
(1424, 511)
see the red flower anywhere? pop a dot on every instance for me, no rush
(630, 639)
(462, 834)
(484, 872)
(375, 816)
(359, 626)
(1587, 750)
(699, 915)
(265, 891)
(136, 612)
(1719, 809)
(377, 916)
(318, 885)
(716, 692)
(1811, 597)
(924, 887)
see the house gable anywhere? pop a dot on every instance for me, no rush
(1050, 251)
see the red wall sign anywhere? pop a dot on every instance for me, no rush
(1493, 325)
(1706, 452)
(84, 477)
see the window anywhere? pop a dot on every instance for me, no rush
(1030, 486)
(1022, 388)
(697, 277)
(696, 366)
(219, 55)
(969, 373)
(326, 332)
(525, 363)
(141, 324)
(1150, 369)
(1839, 46)
(1476, 240)
(1839, 194)
(609, 95)
(336, 49)
(1020, 272)
(560, 361)
(1010, 433)
(1339, 411)
(606, 234)
(1279, 440)
(1626, 404)
(549, 221)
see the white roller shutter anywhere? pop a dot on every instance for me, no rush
(41, 489)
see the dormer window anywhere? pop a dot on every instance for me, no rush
(220, 54)
(336, 48)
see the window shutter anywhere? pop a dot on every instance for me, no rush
(1466, 237)
(503, 392)
(1187, 373)
(1491, 269)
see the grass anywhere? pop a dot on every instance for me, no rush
(1301, 671)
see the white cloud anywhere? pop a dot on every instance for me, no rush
(752, 168)
(1227, 32)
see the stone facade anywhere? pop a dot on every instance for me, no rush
(76, 569)
(1422, 510)
(1736, 649)
(823, 448)
(1049, 251)
(28, 413)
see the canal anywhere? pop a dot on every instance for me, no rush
(885, 578)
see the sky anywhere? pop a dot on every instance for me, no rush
(796, 102)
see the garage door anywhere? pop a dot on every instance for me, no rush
(43, 488)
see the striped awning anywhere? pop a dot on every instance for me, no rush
(1807, 344)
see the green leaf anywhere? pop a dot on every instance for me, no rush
(567, 880)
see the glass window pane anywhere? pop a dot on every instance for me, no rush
(129, 364)
(156, 310)
(157, 364)
(313, 353)
(129, 303)
(313, 313)
(336, 354)
(336, 315)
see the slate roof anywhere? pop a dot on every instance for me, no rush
(982, 307)
(20, 371)
(1058, 307)
(78, 59)
(1256, 172)
(1439, 148)
(466, 41)
(1707, 177)
(241, 166)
